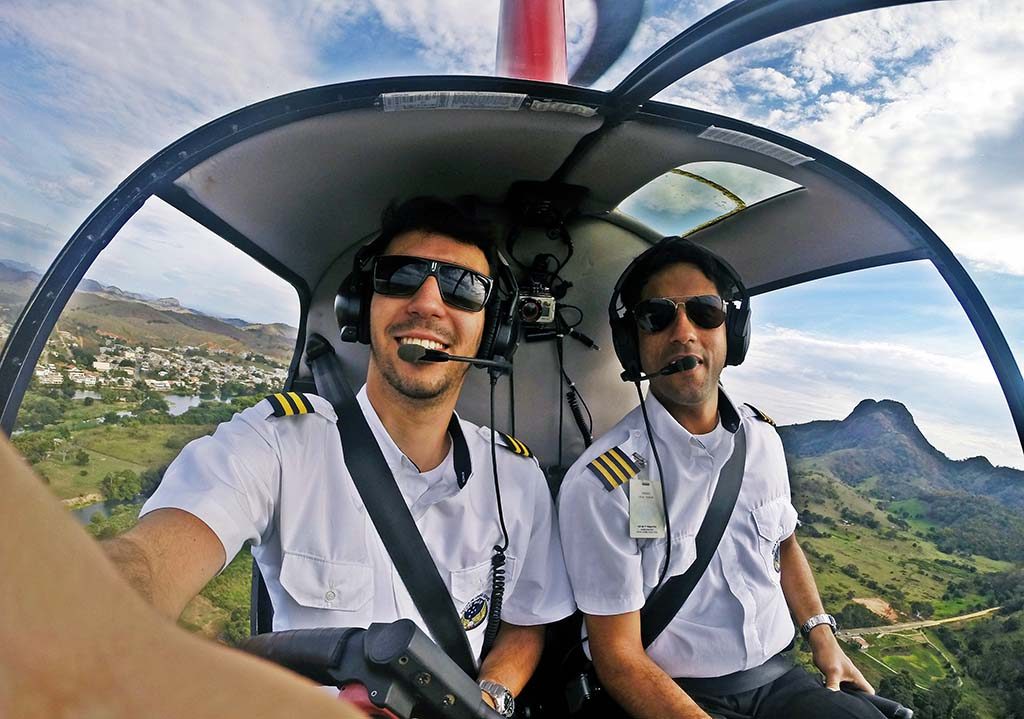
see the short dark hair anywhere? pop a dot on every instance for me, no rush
(673, 253)
(434, 215)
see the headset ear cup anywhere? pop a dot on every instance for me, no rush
(624, 342)
(352, 303)
(737, 334)
(347, 309)
(501, 331)
(490, 334)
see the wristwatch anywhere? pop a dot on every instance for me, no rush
(504, 702)
(815, 621)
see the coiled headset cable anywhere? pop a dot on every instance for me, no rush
(498, 558)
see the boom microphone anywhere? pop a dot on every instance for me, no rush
(418, 353)
(683, 364)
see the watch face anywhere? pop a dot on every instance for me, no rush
(504, 702)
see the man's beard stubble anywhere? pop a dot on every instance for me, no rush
(423, 389)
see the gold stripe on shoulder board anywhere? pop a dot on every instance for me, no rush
(761, 415)
(515, 445)
(614, 468)
(288, 404)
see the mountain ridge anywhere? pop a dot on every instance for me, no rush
(880, 441)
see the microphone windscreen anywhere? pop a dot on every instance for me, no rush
(411, 352)
(688, 363)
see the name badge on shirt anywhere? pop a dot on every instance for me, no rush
(646, 508)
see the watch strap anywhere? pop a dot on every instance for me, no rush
(817, 620)
(504, 702)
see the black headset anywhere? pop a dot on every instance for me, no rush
(623, 322)
(501, 321)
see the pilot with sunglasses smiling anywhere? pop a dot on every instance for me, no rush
(275, 475)
(721, 653)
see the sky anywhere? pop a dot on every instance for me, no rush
(926, 99)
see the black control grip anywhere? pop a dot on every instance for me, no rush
(441, 687)
(313, 653)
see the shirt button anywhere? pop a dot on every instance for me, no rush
(331, 595)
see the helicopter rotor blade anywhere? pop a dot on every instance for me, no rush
(617, 21)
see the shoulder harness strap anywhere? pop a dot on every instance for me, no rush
(514, 445)
(761, 415)
(614, 468)
(287, 404)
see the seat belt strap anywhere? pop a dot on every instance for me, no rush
(387, 508)
(665, 602)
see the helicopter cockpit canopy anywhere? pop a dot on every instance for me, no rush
(298, 183)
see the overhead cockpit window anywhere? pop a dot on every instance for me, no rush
(694, 195)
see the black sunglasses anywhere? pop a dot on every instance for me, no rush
(658, 313)
(402, 276)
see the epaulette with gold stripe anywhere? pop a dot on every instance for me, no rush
(515, 445)
(286, 404)
(614, 468)
(761, 415)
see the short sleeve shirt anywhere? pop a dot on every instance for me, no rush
(281, 483)
(737, 617)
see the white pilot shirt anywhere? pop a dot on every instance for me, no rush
(737, 617)
(282, 484)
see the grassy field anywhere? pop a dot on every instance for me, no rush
(855, 560)
(912, 652)
(113, 448)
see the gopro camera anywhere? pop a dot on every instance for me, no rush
(537, 305)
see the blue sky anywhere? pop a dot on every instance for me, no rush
(926, 99)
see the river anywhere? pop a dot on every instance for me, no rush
(85, 514)
(178, 404)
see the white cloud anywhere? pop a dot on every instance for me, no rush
(922, 98)
(456, 36)
(163, 240)
(772, 82)
(798, 376)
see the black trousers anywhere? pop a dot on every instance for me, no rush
(794, 695)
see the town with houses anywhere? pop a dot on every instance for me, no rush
(119, 366)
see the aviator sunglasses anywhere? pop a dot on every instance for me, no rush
(658, 313)
(402, 276)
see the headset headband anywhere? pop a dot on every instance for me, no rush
(620, 317)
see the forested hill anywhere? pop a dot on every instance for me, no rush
(971, 506)
(879, 439)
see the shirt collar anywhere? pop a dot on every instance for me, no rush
(394, 456)
(668, 429)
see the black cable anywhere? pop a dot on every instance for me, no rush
(664, 494)
(574, 406)
(561, 384)
(511, 400)
(565, 306)
(590, 417)
(498, 558)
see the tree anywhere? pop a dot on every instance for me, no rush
(155, 403)
(89, 401)
(922, 609)
(39, 412)
(150, 480)
(67, 387)
(122, 485)
(81, 458)
(898, 687)
(35, 447)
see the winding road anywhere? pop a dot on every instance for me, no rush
(893, 628)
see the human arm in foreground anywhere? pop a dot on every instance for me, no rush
(79, 642)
